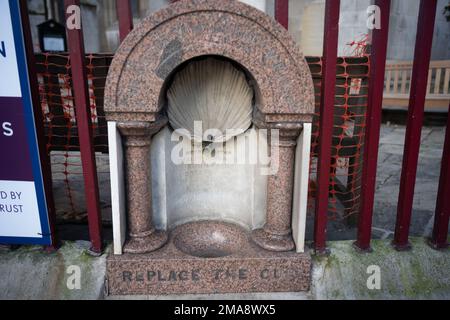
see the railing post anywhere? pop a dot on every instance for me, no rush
(84, 124)
(330, 45)
(422, 54)
(125, 15)
(373, 124)
(441, 219)
(282, 12)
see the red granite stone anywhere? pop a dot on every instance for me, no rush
(243, 268)
(193, 28)
(208, 257)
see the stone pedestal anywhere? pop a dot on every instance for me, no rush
(137, 136)
(155, 274)
(276, 235)
(212, 266)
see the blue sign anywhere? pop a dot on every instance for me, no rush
(23, 208)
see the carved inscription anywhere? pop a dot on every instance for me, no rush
(195, 275)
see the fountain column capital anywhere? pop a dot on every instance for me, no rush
(288, 132)
(141, 128)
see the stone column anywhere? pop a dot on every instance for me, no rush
(137, 136)
(276, 235)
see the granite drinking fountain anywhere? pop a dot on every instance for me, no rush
(208, 226)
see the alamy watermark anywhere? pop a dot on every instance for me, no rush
(234, 146)
(73, 20)
(373, 17)
(374, 279)
(74, 277)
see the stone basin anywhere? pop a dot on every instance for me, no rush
(210, 239)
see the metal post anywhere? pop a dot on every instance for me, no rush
(282, 12)
(442, 215)
(424, 39)
(373, 123)
(79, 81)
(330, 45)
(125, 15)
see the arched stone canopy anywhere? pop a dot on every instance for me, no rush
(194, 28)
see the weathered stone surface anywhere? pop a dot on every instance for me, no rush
(277, 232)
(170, 271)
(218, 257)
(189, 29)
(143, 236)
(201, 92)
(30, 273)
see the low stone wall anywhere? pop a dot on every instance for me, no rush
(422, 273)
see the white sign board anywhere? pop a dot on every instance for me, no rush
(23, 209)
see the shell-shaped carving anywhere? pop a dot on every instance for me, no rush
(214, 92)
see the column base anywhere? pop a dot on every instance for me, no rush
(437, 246)
(402, 247)
(146, 244)
(273, 242)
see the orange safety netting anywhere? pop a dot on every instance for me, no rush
(57, 104)
(348, 134)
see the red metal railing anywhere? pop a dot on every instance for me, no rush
(422, 54)
(373, 124)
(330, 46)
(442, 216)
(327, 105)
(425, 29)
(282, 12)
(125, 16)
(83, 114)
